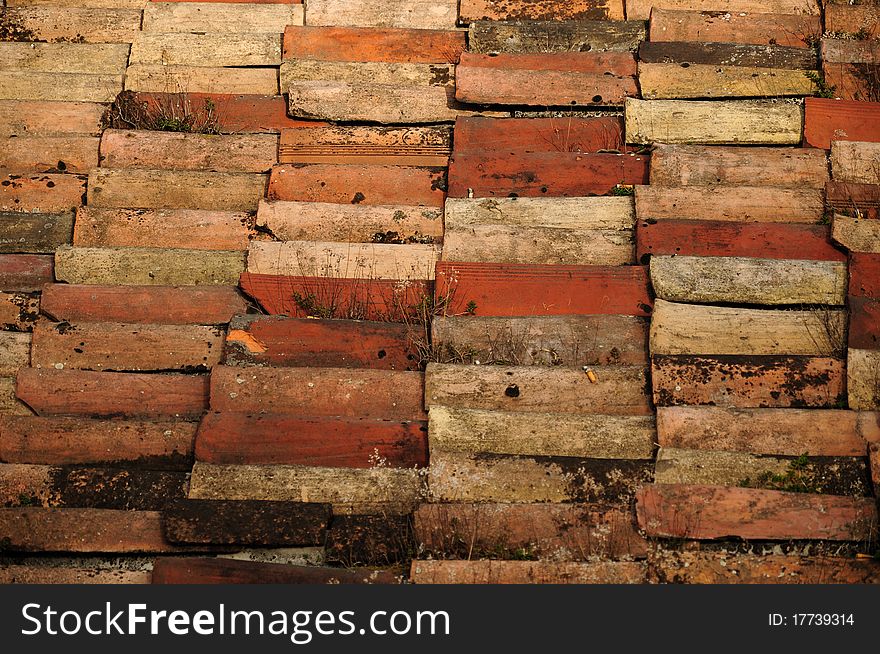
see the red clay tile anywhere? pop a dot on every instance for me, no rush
(234, 113)
(797, 31)
(728, 568)
(382, 394)
(358, 184)
(63, 441)
(196, 229)
(850, 196)
(618, 64)
(360, 299)
(864, 323)
(26, 272)
(170, 305)
(41, 193)
(298, 342)
(373, 44)
(132, 395)
(289, 439)
(230, 571)
(864, 275)
(522, 290)
(785, 432)
(748, 381)
(708, 512)
(403, 146)
(718, 238)
(83, 530)
(827, 120)
(549, 174)
(546, 80)
(852, 19)
(476, 134)
(553, 531)
(859, 82)
(124, 346)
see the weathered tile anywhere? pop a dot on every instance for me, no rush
(211, 49)
(373, 44)
(727, 54)
(159, 445)
(169, 189)
(190, 570)
(34, 233)
(134, 395)
(710, 512)
(355, 299)
(488, 477)
(408, 146)
(246, 153)
(863, 379)
(219, 522)
(33, 529)
(415, 14)
(475, 431)
(41, 193)
(521, 290)
(26, 272)
(695, 165)
(678, 81)
(73, 24)
(855, 161)
(755, 27)
(747, 280)
(526, 572)
(87, 58)
(718, 238)
(298, 342)
(126, 347)
(349, 490)
(359, 184)
(543, 174)
(14, 352)
(195, 229)
(351, 223)
(749, 381)
(856, 234)
(509, 136)
(522, 36)
(733, 203)
(559, 532)
(735, 122)
(38, 118)
(37, 154)
(170, 305)
(471, 10)
(347, 260)
(700, 329)
(220, 17)
(148, 266)
(786, 432)
(618, 390)
(289, 439)
(828, 120)
(19, 311)
(159, 78)
(569, 341)
(382, 394)
(724, 568)
(543, 80)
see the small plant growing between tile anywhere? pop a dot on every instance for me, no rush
(823, 89)
(173, 112)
